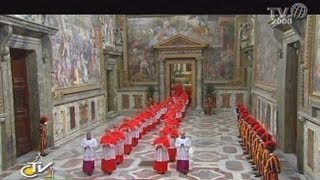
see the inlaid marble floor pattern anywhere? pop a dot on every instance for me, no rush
(215, 154)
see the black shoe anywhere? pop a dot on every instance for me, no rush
(43, 154)
(257, 175)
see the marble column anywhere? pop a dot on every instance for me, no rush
(161, 80)
(199, 84)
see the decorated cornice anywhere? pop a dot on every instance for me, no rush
(179, 41)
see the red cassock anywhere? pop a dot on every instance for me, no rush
(166, 130)
(155, 112)
(161, 162)
(128, 141)
(121, 136)
(108, 164)
(154, 123)
(149, 115)
(173, 133)
(172, 122)
(144, 119)
(134, 127)
(140, 122)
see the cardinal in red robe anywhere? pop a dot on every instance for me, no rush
(108, 162)
(125, 127)
(161, 145)
(173, 133)
(134, 126)
(121, 136)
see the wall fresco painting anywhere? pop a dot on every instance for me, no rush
(220, 57)
(76, 50)
(266, 52)
(217, 31)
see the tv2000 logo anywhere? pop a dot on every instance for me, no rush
(297, 11)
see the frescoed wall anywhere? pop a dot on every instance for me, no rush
(76, 50)
(221, 54)
(217, 31)
(266, 52)
(77, 46)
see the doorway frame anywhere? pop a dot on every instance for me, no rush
(181, 47)
(289, 37)
(32, 98)
(16, 32)
(41, 97)
(171, 61)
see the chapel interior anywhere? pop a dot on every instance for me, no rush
(88, 72)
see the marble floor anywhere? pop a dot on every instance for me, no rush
(215, 154)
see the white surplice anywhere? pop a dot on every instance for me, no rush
(88, 147)
(140, 129)
(161, 155)
(183, 146)
(129, 135)
(120, 147)
(135, 133)
(108, 152)
(117, 148)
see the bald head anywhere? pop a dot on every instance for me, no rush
(182, 134)
(88, 134)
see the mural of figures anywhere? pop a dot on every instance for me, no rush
(316, 70)
(217, 31)
(267, 52)
(76, 49)
(220, 57)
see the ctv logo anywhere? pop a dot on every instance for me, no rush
(297, 11)
(33, 169)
